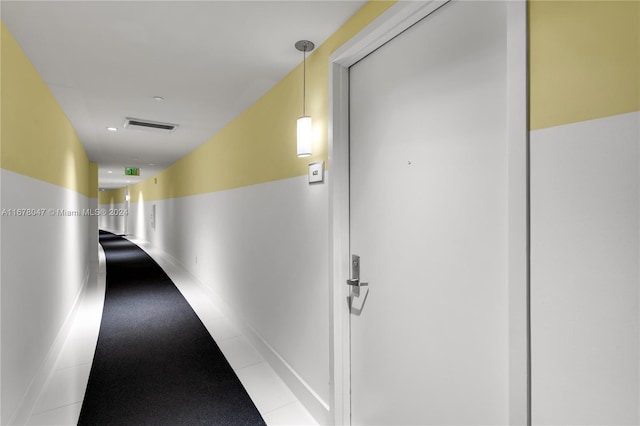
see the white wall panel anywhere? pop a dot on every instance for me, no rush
(108, 221)
(585, 229)
(263, 250)
(45, 264)
(94, 224)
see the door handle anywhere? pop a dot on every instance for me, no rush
(354, 282)
(355, 272)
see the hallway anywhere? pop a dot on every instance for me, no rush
(474, 166)
(62, 397)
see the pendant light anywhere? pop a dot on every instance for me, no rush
(304, 122)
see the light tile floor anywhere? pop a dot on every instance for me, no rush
(61, 398)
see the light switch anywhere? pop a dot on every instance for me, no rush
(316, 172)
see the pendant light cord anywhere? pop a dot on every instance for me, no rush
(304, 81)
(304, 46)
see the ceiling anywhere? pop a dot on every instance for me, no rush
(105, 61)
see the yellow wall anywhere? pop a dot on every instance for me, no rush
(36, 137)
(93, 180)
(112, 196)
(584, 64)
(260, 145)
(584, 60)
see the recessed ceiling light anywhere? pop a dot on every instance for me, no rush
(112, 129)
(109, 171)
(151, 164)
(158, 98)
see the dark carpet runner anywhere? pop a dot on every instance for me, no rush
(155, 362)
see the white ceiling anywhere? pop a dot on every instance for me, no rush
(209, 60)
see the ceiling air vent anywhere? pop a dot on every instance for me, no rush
(148, 125)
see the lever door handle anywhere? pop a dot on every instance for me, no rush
(354, 282)
(355, 271)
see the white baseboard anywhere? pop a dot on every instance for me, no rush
(317, 407)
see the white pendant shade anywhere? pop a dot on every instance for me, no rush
(304, 136)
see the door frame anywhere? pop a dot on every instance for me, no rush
(388, 25)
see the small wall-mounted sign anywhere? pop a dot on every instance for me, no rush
(132, 171)
(316, 172)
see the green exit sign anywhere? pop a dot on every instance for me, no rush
(132, 171)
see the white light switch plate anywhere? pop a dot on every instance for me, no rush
(316, 172)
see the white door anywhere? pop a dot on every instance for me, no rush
(428, 216)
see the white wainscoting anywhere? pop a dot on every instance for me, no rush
(45, 266)
(262, 251)
(585, 280)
